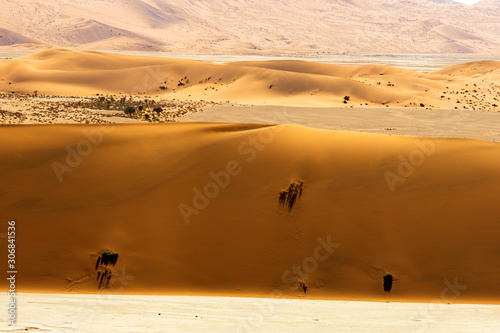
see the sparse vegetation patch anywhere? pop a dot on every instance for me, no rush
(289, 196)
(105, 260)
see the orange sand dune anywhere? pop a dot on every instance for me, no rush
(472, 69)
(294, 83)
(326, 69)
(193, 208)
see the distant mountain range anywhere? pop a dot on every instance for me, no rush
(253, 26)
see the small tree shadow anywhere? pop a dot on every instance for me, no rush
(288, 196)
(303, 285)
(105, 260)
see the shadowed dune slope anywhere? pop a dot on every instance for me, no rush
(295, 83)
(193, 208)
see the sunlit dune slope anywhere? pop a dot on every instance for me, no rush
(193, 208)
(297, 83)
(478, 68)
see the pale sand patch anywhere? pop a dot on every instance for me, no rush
(393, 121)
(120, 313)
(381, 26)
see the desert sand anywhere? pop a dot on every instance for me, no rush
(193, 209)
(244, 166)
(111, 313)
(263, 195)
(233, 26)
(471, 86)
(25, 109)
(46, 109)
(391, 121)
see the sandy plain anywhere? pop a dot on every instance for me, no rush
(193, 208)
(123, 313)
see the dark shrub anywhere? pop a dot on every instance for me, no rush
(387, 282)
(129, 110)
